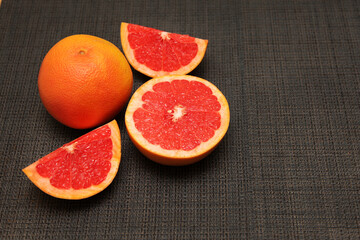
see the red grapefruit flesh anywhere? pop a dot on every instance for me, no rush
(177, 120)
(81, 168)
(157, 53)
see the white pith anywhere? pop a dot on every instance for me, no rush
(70, 148)
(177, 113)
(165, 35)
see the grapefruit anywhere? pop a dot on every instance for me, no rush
(157, 53)
(84, 81)
(177, 120)
(81, 168)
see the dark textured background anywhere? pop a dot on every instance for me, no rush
(288, 168)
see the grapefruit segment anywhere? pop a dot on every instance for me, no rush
(80, 168)
(157, 53)
(178, 119)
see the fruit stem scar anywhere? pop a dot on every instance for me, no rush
(82, 52)
(178, 112)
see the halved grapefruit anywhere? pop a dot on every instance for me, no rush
(81, 168)
(177, 120)
(157, 53)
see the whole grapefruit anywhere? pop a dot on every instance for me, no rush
(84, 81)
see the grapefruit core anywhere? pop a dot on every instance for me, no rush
(81, 168)
(157, 53)
(177, 120)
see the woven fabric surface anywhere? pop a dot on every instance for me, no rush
(288, 168)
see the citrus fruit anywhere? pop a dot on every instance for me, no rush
(157, 53)
(84, 81)
(80, 168)
(178, 119)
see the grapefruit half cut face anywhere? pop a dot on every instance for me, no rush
(158, 53)
(81, 168)
(177, 120)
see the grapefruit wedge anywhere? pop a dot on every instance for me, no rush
(177, 120)
(81, 168)
(157, 53)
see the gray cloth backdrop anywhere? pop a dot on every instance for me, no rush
(288, 168)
